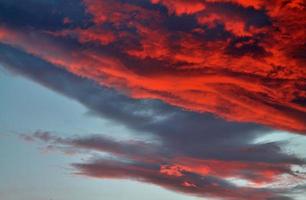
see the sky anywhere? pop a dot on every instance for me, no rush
(152, 99)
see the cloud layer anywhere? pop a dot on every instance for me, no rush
(241, 60)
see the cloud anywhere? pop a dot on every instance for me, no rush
(147, 162)
(188, 128)
(188, 183)
(230, 58)
(48, 15)
(169, 69)
(193, 153)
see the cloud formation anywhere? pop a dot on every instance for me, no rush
(193, 153)
(149, 162)
(240, 60)
(168, 69)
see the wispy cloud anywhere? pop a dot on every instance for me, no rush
(174, 170)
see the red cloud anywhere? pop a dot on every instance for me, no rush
(254, 172)
(98, 35)
(242, 61)
(200, 177)
(180, 7)
(188, 183)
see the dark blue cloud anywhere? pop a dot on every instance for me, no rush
(44, 14)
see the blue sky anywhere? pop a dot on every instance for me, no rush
(30, 172)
